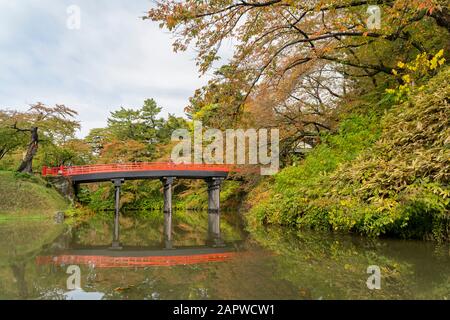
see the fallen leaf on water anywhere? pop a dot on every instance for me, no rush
(119, 289)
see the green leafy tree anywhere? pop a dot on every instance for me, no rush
(97, 139)
(10, 141)
(140, 125)
(142, 128)
(40, 123)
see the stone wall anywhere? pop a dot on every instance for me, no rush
(64, 186)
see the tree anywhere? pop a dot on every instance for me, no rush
(169, 126)
(140, 128)
(125, 124)
(281, 35)
(55, 123)
(140, 125)
(122, 151)
(294, 60)
(9, 139)
(97, 138)
(71, 152)
(214, 104)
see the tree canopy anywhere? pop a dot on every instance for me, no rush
(294, 60)
(49, 125)
(133, 134)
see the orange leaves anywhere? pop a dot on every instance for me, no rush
(171, 22)
(426, 4)
(123, 151)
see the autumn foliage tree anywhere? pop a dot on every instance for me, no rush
(276, 36)
(40, 123)
(293, 60)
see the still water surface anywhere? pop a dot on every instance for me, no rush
(35, 257)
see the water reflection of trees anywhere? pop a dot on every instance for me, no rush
(274, 264)
(20, 242)
(146, 229)
(24, 279)
(332, 266)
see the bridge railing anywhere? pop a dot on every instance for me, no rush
(136, 166)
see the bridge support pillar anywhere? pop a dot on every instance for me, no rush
(214, 236)
(167, 184)
(117, 184)
(76, 190)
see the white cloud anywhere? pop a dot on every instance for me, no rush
(115, 59)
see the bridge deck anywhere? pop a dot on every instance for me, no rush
(133, 171)
(114, 259)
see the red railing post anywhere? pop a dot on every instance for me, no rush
(44, 171)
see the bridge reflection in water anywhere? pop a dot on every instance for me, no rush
(167, 172)
(139, 257)
(66, 251)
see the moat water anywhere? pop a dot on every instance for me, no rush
(43, 259)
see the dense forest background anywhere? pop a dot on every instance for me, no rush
(369, 102)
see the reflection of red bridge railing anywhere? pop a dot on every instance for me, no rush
(127, 167)
(124, 262)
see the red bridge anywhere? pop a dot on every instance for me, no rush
(126, 262)
(137, 170)
(164, 171)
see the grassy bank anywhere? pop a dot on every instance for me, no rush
(385, 172)
(25, 196)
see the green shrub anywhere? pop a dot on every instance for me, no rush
(382, 173)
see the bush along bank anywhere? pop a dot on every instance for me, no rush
(383, 173)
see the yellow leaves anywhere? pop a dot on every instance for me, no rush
(436, 61)
(421, 56)
(433, 64)
(403, 88)
(289, 2)
(413, 72)
(406, 78)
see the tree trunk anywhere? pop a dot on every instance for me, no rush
(27, 163)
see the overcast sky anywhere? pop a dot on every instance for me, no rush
(115, 59)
